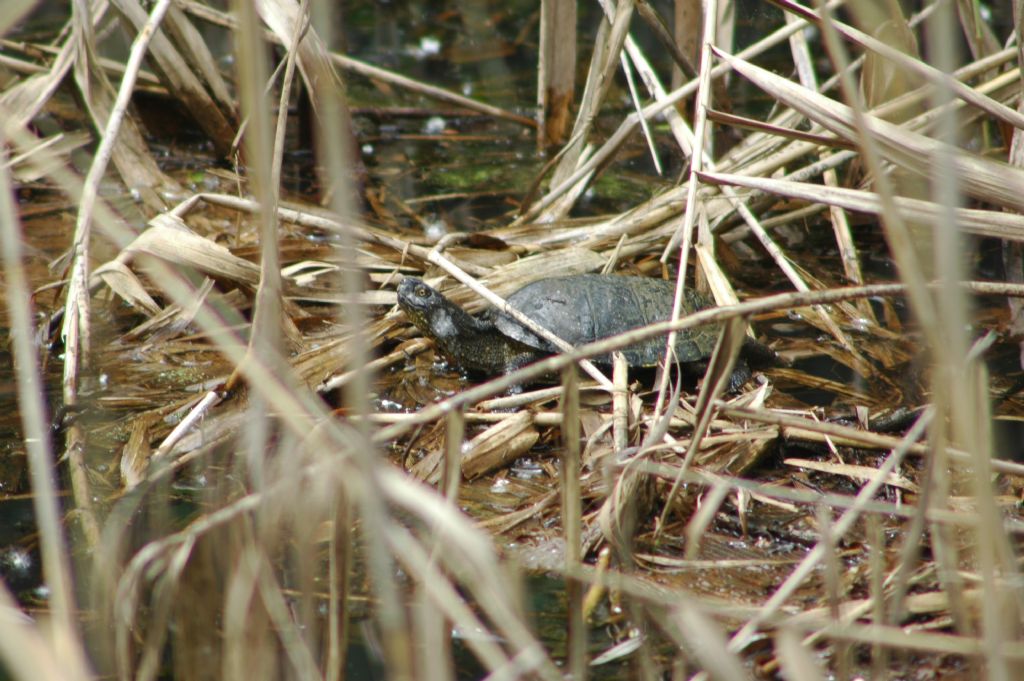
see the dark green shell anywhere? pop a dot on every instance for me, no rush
(586, 307)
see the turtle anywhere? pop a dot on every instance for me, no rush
(579, 309)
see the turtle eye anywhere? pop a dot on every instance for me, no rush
(421, 292)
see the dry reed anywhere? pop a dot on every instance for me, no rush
(317, 531)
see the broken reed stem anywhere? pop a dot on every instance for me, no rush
(76, 326)
(901, 242)
(716, 379)
(941, 480)
(833, 587)
(686, 228)
(876, 575)
(268, 317)
(685, 231)
(76, 312)
(556, 70)
(263, 171)
(433, 642)
(620, 402)
(339, 573)
(704, 515)
(792, 657)
(57, 569)
(572, 522)
(336, 154)
(597, 590)
(454, 433)
(840, 225)
(1002, 601)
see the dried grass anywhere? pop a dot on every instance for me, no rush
(309, 511)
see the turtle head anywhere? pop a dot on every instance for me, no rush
(417, 300)
(433, 314)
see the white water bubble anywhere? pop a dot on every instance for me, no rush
(18, 560)
(435, 125)
(435, 230)
(861, 324)
(429, 46)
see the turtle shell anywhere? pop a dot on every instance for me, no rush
(587, 307)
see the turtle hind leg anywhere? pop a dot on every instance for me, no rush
(740, 373)
(760, 355)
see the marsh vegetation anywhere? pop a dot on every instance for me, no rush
(228, 454)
